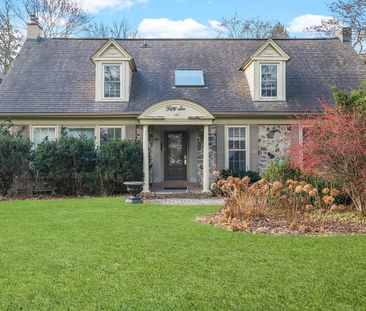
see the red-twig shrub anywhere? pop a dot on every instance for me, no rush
(334, 148)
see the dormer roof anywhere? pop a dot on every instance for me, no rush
(112, 50)
(269, 50)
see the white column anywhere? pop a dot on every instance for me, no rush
(145, 146)
(206, 164)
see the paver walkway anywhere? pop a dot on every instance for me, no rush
(190, 201)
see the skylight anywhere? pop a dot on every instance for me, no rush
(188, 77)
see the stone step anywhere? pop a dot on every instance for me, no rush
(175, 195)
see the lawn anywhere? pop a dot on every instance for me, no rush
(99, 254)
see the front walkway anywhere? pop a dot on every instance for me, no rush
(189, 201)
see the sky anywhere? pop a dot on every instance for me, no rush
(200, 18)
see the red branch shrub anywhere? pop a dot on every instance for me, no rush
(334, 147)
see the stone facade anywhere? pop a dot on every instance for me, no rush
(273, 143)
(212, 131)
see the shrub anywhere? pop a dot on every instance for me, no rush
(15, 153)
(281, 171)
(66, 164)
(335, 150)
(119, 161)
(245, 202)
(254, 176)
(284, 171)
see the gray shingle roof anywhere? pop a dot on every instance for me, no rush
(57, 75)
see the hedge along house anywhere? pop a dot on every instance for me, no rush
(197, 105)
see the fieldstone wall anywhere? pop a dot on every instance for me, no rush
(273, 143)
(212, 132)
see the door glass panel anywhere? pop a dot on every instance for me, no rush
(175, 149)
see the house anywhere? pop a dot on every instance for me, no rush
(198, 105)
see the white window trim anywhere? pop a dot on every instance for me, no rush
(260, 81)
(120, 82)
(122, 127)
(33, 127)
(247, 144)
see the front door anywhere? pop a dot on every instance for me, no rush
(175, 167)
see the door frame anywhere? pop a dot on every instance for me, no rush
(185, 151)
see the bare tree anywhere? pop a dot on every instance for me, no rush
(253, 28)
(279, 31)
(10, 37)
(58, 18)
(118, 29)
(346, 12)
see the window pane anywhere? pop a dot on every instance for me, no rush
(41, 133)
(189, 78)
(237, 160)
(77, 132)
(237, 148)
(110, 133)
(112, 81)
(269, 80)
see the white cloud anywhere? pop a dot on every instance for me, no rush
(300, 23)
(93, 6)
(167, 28)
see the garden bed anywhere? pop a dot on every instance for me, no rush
(316, 224)
(291, 208)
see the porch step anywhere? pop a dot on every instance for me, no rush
(175, 195)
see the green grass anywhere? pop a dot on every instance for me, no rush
(99, 254)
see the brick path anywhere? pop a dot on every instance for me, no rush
(191, 201)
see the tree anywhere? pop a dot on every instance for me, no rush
(58, 18)
(118, 29)
(279, 31)
(354, 100)
(15, 154)
(335, 149)
(10, 36)
(253, 28)
(346, 12)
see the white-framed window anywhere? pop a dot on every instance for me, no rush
(189, 77)
(236, 147)
(112, 81)
(269, 80)
(40, 133)
(78, 131)
(107, 133)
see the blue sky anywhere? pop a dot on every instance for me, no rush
(199, 18)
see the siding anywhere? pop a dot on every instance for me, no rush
(220, 151)
(130, 131)
(249, 72)
(253, 147)
(26, 132)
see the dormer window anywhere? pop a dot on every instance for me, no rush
(112, 80)
(269, 82)
(189, 77)
(265, 71)
(114, 68)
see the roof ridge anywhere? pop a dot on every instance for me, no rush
(195, 39)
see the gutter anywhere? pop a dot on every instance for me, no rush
(136, 114)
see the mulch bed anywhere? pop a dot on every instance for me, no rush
(285, 226)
